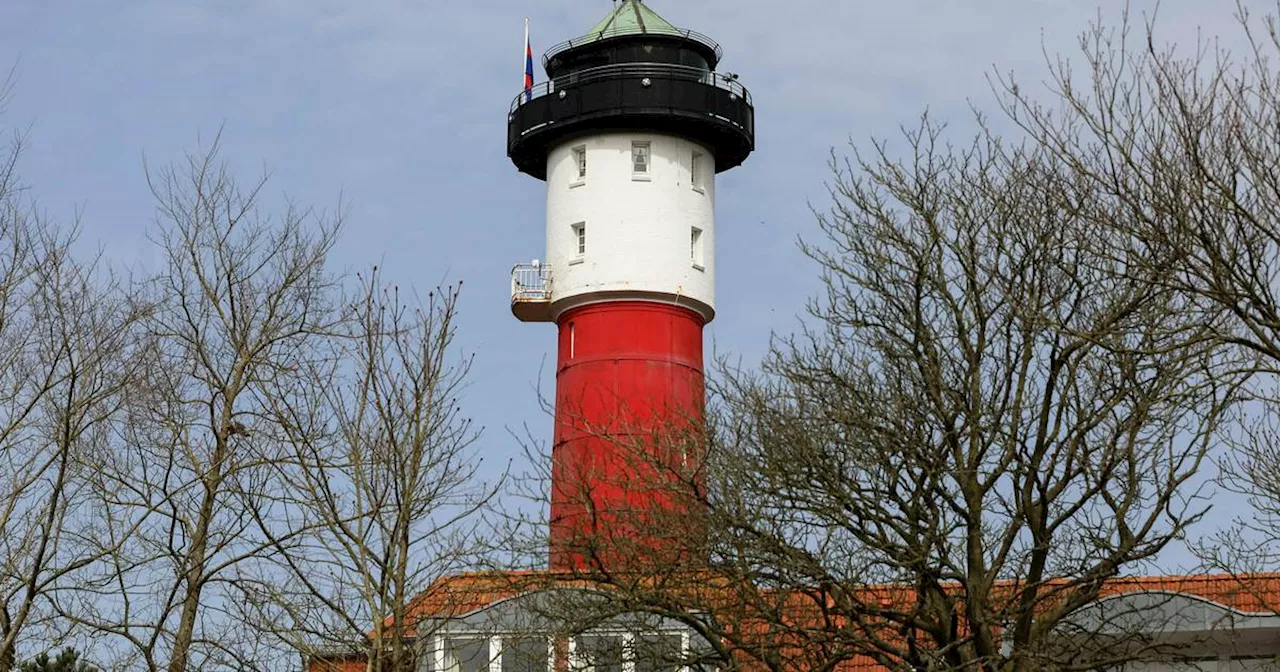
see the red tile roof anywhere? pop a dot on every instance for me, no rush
(1251, 593)
(467, 593)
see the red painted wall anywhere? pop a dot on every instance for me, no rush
(629, 407)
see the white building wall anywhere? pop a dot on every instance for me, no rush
(638, 231)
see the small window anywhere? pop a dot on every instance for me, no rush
(580, 160)
(580, 239)
(526, 654)
(640, 159)
(465, 655)
(695, 247)
(695, 171)
(599, 653)
(654, 652)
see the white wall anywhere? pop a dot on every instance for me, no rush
(638, 231)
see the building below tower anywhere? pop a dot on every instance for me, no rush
(535, 622)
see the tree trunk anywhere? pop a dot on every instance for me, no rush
(179, 659)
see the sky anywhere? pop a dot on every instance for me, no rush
(398, 107)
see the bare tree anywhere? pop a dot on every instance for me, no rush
(240, 303)
(1179, 147)
(383, 475)
(64, 329)
(986, 418)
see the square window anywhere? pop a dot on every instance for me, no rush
(525, 654)
(695, 246)
(654, 652)
(580, 160)
(469, 654)
(580, 239)
(640, 159)
(695, 171)
(599, 653)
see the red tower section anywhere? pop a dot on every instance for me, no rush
(629, 408)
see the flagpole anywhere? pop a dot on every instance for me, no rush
(526, 64)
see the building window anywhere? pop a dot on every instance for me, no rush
(580, 162)
(525, 654)
(508, 653)
(464, 654)
(628, 652)
(640, 160)
(695, 247)
(580, 239)
(592, 652)
(658, 652)
(695, 172)
(599, 653)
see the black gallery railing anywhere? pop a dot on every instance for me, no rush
(633, 87)
(615, 32)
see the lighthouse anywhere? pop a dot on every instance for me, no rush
(629, 132)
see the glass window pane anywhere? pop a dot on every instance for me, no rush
(525, 654)
(598, 653)
(466, 654)
(658, 653)
(640, 158)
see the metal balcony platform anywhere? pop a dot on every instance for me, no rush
(531, 292)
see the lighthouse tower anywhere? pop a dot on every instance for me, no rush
(629, 133)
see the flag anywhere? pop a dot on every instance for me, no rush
(528, 64)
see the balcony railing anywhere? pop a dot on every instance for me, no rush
(708, 107)
(531, 292)
(615, 32)
(531, 282)
(638, 72)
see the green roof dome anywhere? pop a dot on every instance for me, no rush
(631, 20)
(631, 17)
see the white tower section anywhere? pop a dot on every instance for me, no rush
(631, 216)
